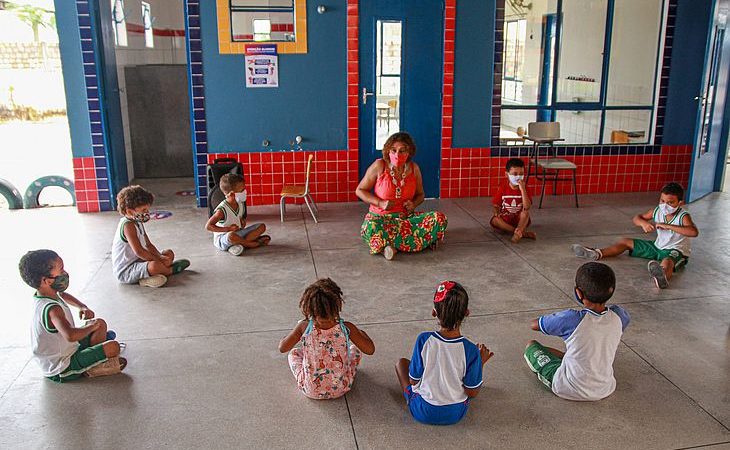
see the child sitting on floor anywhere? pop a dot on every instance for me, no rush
(445, 371)
(585, 371)
(63, 351)
(670, 251)
(228, 223)
(325, 365)
(134, 258)
(511, 203)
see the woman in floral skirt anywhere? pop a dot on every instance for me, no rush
(394, 188)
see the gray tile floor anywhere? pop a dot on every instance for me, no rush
(204, 371)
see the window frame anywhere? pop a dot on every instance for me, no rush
(119, 25)
(600, 105)
(149, 35)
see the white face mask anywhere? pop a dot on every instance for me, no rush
(241, 196)
(515, 179)
(665, 208)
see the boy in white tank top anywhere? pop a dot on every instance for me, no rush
(64, 351)
(134, 258)
(670, 251)
(228, 222)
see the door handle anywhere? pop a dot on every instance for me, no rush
(365, 94)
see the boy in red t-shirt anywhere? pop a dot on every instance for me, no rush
(511, 203)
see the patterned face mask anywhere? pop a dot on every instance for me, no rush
(142, 217)
(60, 282)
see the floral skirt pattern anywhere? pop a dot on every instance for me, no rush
(405, 233)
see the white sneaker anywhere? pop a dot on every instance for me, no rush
(154, 281)
(657, 274)
(586, 252)
(389, 252)
(235, 250)
(111, 366)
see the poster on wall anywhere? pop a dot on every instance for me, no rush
(262, 66)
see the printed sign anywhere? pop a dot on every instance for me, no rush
(262, 66)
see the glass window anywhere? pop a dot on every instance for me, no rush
(581, 51)
(579, 127)
(538, 36)
(119, 23)
(634, 47)
(149, 37)
(627, 126)
(262, 20)
(388, 79)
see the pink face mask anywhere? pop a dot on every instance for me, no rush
(398, 159)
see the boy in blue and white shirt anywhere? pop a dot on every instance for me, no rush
(592, 335)
(445, 371)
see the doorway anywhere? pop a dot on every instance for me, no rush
(711, 136)
(401, 54)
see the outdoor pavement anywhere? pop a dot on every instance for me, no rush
(204, 370)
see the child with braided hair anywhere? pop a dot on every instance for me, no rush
(325, 364)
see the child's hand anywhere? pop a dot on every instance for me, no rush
(522, 184)
(484, 353)
(234, 227)
(662, 226)
(93, 323)
(86, 314)
(385, 204)
(647, 227)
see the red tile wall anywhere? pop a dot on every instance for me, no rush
(471, 172)
(87, 194)
(333, 178)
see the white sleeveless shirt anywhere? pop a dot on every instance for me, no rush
(230, 216)
(668, 239)
(122, 253)
(51, 350)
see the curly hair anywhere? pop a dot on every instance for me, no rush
(132, 197)
(229, 182)
(35, 265)
(452, 310)
(321, 300)
(402, 137)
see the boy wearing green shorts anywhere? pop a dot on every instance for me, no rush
(670, 251)
(584, 372)
(63, 351)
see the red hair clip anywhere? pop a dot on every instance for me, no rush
(442, 290)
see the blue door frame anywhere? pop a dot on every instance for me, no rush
(711, 132)
(109, 103)
(421, 81)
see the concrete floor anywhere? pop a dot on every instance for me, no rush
(204, 371)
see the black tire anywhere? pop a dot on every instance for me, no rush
(11, 194)
(32, 194)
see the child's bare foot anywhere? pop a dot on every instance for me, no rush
(264, 239)
(530, 235)
(517, 236)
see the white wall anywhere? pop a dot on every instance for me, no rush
(167, 15)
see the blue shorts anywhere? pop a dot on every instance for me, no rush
(222, 242)
(429, 414)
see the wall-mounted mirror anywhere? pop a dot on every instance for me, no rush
(262, 20)
(280, 22)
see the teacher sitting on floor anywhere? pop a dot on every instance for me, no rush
(394, 188)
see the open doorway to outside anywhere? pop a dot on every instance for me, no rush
(36, 167)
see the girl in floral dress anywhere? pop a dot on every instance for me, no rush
(394, 188)
(326, 363)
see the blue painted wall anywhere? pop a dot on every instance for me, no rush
(311, 100)
(685, 77)
(73, 78)
(474, 59)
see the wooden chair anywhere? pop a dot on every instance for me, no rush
(548, 133)
(300, 192)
